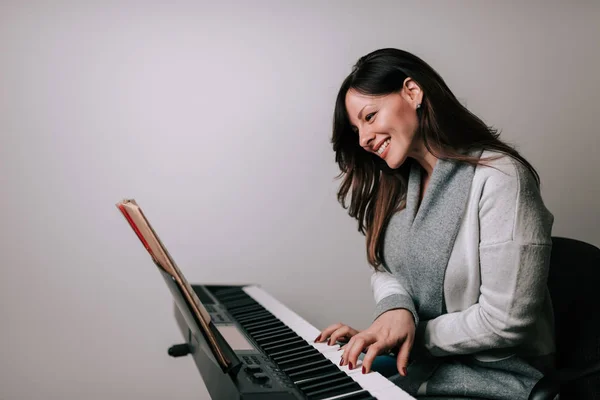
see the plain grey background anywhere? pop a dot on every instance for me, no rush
(216, 117)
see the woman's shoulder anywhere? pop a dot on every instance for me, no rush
(498, 168)
(507, 191)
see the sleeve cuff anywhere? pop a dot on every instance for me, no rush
(396, 301)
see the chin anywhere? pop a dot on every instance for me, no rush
(395, 162)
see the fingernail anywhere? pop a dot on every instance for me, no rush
(350, 365)
(364, 370)
(404, 371)
(318, 338)
(341, 362)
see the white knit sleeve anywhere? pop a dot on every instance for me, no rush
(514, 255)
(389, 294)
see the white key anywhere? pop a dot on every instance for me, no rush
(379, 386)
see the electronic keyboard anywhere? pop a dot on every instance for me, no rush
(277, 351)
(246, 344)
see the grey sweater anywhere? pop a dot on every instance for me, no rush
(495, 297)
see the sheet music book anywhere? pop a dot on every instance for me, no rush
(161, 257)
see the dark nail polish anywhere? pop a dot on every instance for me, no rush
(341, 362)
(318, 338)
(364, 370)
(350, 365)
(404, 371)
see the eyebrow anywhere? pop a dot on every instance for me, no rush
(361, 110)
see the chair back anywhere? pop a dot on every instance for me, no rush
(574, 283)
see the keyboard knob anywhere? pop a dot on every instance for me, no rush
(180, 350)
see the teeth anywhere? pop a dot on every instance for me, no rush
(383, 147)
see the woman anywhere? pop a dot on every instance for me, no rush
(456, 232)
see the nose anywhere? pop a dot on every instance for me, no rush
(366, 137)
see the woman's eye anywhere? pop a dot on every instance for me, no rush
(369, 116)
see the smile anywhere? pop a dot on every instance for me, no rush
(383, 146)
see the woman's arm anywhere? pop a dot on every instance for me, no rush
(514, 256)
(390, 294)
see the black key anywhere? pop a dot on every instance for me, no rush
(306, 365)
(300, 360)
(322, 382)
(289, 344)
(266, 325)
(362, 395)
(270, 331)
(336, 390)
(244, 308)
(223, 290)
(321, 378)
(336, 387)
(252, 316)
(273, 342)
(312, 371)
(291, 350)
(273, 338)
(229, 298)
(232, 305)
(260, 322)
(291, 356)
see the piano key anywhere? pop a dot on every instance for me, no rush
(295, 344)
(288, 352)
(271, 331)
(313, 371)
(259, 328)
(330, 382)
(325, 379)
(374, 383)
(251, 316)
(233, 297)
(361, 395)
(275, 337)
(323, 362)
(298, 358)
(370, 381)
(291, 319)
(261, 322)
(334, 390)
(278, 341)
(244, 309)
(291, 356)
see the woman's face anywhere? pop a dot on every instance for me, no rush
(387, 125)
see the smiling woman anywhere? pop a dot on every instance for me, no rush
(456, 231)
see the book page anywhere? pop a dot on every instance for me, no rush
(161, 257)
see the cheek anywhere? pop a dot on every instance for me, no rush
(405, 130)
(411, 124)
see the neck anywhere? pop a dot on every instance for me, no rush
(425, 159)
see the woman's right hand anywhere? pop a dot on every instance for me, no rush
(394, 329)
(336, 332)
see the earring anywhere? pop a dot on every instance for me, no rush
(418, 106)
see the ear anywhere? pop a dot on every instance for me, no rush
(412, 92)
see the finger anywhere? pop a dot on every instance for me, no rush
(345, 349)
(361, 341)
(327, 331)
(403, 354)
(375, 349)
(343, 332)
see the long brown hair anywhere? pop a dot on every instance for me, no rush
(448, 130)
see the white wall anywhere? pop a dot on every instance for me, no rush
(216, 117)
